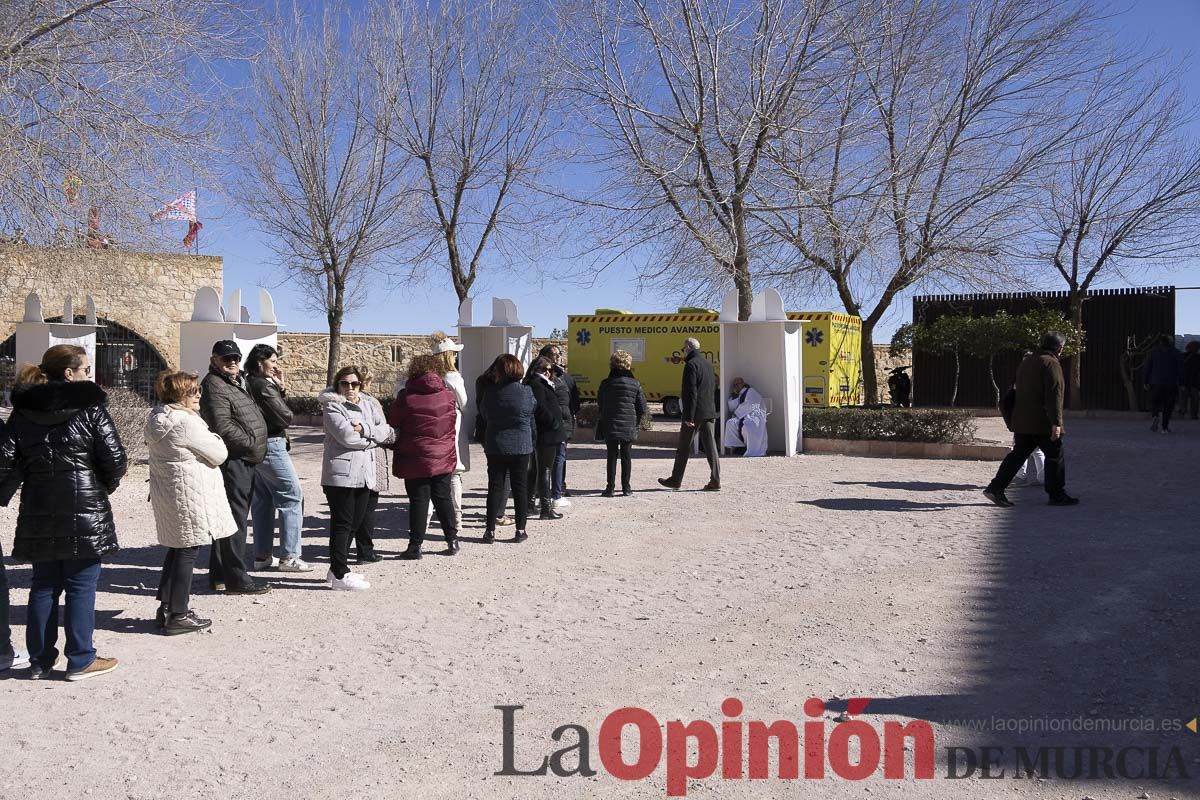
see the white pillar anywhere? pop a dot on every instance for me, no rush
(482, 344)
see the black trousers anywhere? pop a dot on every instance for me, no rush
(545, 470)
(505, 471)
(421, 492)
(347, 509)
(225, 564)
(175, 586)
(617, 448)
(1023, 445)
(363, 541)
(1162, 400)
(708, 443)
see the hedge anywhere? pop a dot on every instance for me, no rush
(890, 424)
(304, 404)
(589, 414)
(129, 412)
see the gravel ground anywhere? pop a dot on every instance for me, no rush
(820, 576)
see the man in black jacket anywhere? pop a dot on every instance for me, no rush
(568, 400)
(228, 408)
(697, 398)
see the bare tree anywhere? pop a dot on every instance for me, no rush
(685, 96)
(469, 102)
(321, 178)
(103, 104)
(964, 102)
(1126, 194)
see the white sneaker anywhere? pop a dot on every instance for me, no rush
(294, 565)
(561, 504)
(352, 582)
(13, 659)
(264, 564)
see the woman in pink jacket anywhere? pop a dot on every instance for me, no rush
(423, 416)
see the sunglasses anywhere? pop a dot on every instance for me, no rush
(197, 392)
(349, 384)
(231, 359)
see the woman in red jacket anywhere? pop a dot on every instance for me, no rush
(423, 415)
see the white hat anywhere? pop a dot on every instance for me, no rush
(447, 345)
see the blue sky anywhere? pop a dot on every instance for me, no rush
(1173, 25)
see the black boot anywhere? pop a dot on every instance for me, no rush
(608, 492)
(627, 491)
(452, 546)
(489, 536)
(548, 511)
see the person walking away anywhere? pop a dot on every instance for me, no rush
(62, 445)
(445, 360)
(348, 473)
(364, 542)
(508, 408)
(483, 384)
(1160, 377)
(1191, 380)
(423, 415)
(10, 656)
(187, 494)
(569, 402)
(1037, 422)
(550, 432)
(276, 486)
(230, 412)
(697, 400)
(622, 407)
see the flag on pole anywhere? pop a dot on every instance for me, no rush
(193, 229)
(182, 208)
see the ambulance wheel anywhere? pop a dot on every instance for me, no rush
(671, 407)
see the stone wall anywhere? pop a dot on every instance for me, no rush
(149, 293)
(305, 355)
(884, 364)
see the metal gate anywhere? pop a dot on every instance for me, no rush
(124, 360)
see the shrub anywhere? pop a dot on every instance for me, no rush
(304, 404)
(130, 411)
(890, 424)
(589, 415)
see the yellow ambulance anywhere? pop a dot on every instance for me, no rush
(832, 368)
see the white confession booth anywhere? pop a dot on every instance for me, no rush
(210, 324)
(34, 336)
(765, 351)
(483, 343)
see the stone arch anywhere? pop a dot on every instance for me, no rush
(125, 359)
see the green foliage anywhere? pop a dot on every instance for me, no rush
(304, 404)
(890, 424)
(902, 341)
(1029, 328)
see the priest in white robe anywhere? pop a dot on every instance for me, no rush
(747, 423)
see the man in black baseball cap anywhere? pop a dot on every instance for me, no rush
(228, 408)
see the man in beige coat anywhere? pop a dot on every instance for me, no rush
(1037, 422)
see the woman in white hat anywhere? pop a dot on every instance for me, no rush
(446, 352)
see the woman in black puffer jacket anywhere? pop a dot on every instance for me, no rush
(508, 408)
(622, 408)
(63, 444)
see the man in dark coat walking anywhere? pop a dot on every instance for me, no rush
(228, 408)
(698, 401)
(1037, 422)
(1161, 380)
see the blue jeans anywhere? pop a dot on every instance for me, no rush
(5, 630)
(558, 475)
(78, 578)
(276, 487)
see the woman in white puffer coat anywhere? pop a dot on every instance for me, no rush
(186, 492)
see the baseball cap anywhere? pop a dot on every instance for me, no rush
(447, 345)
(225, 348)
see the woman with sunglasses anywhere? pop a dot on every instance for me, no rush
(187, 493)
(62, 443)
(353, 437)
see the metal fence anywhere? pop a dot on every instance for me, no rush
(1110, 316)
